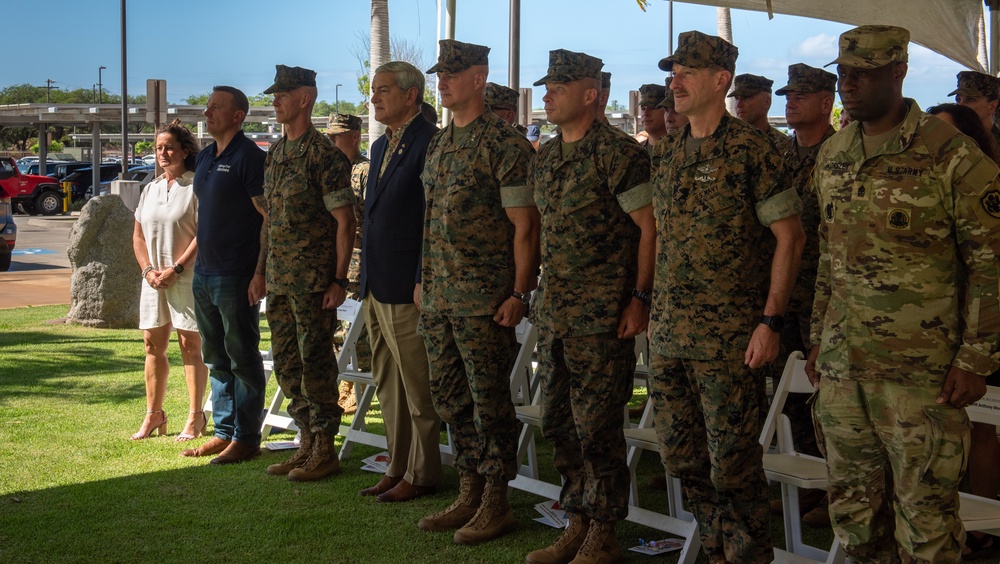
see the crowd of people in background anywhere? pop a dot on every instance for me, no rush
(872, 250)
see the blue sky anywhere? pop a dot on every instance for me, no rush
(196, 44)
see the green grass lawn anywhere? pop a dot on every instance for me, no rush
(73, 488)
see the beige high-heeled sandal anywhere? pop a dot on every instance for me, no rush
(149, 428)
(197, 426)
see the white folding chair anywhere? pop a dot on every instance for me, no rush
(793, 470)
(979, 513)
(276, 416)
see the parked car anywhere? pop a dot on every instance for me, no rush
(65, 169)
(81, 181)
(8, 230)
(149, 160)
(32, 168)
(143, 173)
(30, 193)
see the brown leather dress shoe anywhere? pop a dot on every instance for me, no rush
(383, 485)
(235, 453)
(214, 445)
(405, 491)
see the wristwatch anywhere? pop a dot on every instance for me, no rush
(178, 269)
(524, 298)
(342, 282)
(644, 296)
(774, 322)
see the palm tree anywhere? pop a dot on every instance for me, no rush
(725, 29)
(378, 56)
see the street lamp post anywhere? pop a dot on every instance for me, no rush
(100, 85)
(337, 94)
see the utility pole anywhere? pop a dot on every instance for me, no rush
(337, 94)
(100, 85)
(48, 88)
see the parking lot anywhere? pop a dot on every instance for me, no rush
(40, 271)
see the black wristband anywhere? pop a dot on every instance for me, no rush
(644, 296)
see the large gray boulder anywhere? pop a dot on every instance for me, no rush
(104, 289)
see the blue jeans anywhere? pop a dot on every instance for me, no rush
(230, 334)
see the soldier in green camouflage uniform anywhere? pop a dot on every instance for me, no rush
(345, 132)
(480, 260)
(720, 192)
(980, 92)
(906, 319)
(598, 245)
(502, 101)
(651, 114)
(674, 121)
(753, 100)
(307, 185)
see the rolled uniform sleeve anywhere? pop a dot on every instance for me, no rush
(336, 181)
(628, 177)
(511, 170)
(779, 206)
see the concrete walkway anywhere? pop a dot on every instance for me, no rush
(40, 271)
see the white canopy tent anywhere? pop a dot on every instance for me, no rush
(948, 27)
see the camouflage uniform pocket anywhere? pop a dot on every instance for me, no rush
(946, 443)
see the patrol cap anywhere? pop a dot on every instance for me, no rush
(872, 46)
(342, 123)
(803, 78)
(455, 56)
(499, 96)
(976, 84)
(605, 80)
(534, 132)
(745, 85)
(651, 95)
(290, 78)
(697, 50)
(668, 95)
(567, 66)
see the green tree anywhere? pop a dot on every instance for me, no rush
(143, 147)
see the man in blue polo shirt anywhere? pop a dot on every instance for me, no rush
(229, 277)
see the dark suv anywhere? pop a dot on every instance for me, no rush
(8, 231)
(82, 178)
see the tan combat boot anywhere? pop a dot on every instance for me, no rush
(297, 459)
(600, 546)
(493, 519)
(322, 462)
(347, 401)
(566, 546)
(470, 494)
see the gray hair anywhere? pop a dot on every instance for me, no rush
(405, 75)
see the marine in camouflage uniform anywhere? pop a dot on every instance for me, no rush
(718, 199)
(674, 121)
(753, 100)
(906, 314)
(651, 115)
(479, 264)
(980, 92)
(307, 185)
(592, 188)
(502, 101)
(345, 132)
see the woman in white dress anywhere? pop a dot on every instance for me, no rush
(166, 222)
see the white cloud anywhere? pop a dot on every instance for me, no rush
(817, 46)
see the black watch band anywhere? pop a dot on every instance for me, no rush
(773, 322)
(342, 282)
(178, 269)
(644, 296)
(523, 297)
